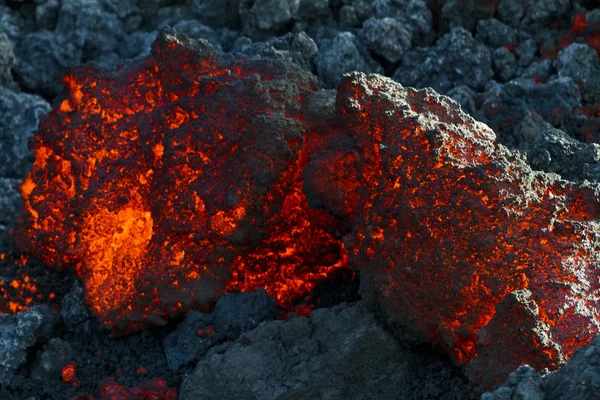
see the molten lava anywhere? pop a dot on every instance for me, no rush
(173, 179)
(461, 242)
(187, 174)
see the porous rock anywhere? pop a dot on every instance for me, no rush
(234, 314)
(342, 54)
(20, 114)
(456, 59)
(428, 172)
(581, 63)
(341, 353)
(20, 332)
(56, 354)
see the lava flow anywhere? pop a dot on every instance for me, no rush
(461, 242)
(171, 180)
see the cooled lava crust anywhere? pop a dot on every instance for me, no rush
(187, 174)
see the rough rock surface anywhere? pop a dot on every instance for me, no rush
(456, 59)
(20, 332)
(234, 314)
(20, 114)
(578, 379)
(504, 105)
(338, 353)
(173, 238)
(439, 174)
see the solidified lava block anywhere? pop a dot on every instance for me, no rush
(177, 177)
(459, 243)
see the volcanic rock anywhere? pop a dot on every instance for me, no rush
(342, 54)
(459, 242)
(20, 332)
(20, 114)
(341, 352)
(494, 33)
(581, 63)
(524, 383)
(506, 104)
(234, 314)
(456, 59)
(56, 355)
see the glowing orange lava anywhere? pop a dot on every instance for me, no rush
(171, 180)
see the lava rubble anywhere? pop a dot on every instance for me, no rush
(187, 174)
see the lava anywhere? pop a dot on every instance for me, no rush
(171, 180)
(460, 242)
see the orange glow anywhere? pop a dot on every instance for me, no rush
(69, 373)
(169, 182)
(450, 236)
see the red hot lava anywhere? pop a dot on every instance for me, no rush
(461, 242)
(174, 179)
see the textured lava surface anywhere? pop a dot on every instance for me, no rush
(459, 243)
(175, 178)
(188, 174)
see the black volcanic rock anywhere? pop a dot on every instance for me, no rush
(341, 352)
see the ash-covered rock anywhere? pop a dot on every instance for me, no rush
(20, 332)
(457, 59)
(341, 352)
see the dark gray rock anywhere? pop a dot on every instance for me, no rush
(338, 353)
(386, 37)
(579, 379)
(511, 12)
(42, 59)
(580, 62)
(494, 33)
(465, 96)
(10, 201)
(465, 13)
(413, 14)
(504, 64)
(74, 312)
(456, 59)
(196, 30)
(56, 355)
(19, 117)
(6, 62)
(526, 51)
(148, 8)
(539, 71)
(91, 27)
(187, 343)
(343, 54)
(235, 313)
(504, 105)
(543, 11)
(523, 384)
(349, 17)
(13, 24)
(19, 332)
(46, 13)
(297, 48)
(217, 13)
(264, 18)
